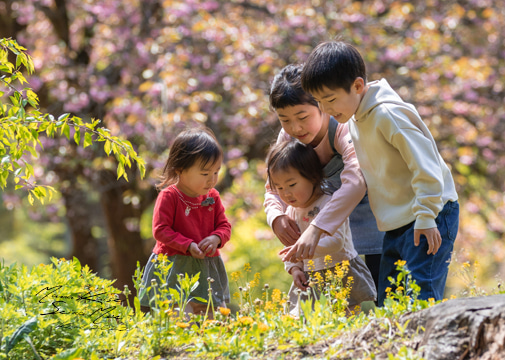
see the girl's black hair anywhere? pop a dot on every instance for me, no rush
(190, 146)
(286, 89)
(332, 64)
(294, 154)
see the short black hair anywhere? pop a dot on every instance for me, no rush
(333, 64)
(299, 156)
(189, 147)
(286, 89)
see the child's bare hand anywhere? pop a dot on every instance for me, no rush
(209, 245)
(286, 230)
(432, 236)
(195, 251)
(305, 245)
(299, 278)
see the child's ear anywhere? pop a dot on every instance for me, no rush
(359, 85)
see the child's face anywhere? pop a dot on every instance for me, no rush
(303, 122)
(339, 103)
(293, 188)
(198, 180)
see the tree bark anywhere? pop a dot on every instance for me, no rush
(123, 226)
(463, 329)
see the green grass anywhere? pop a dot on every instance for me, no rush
(63, 311)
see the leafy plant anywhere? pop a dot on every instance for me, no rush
(22, 124)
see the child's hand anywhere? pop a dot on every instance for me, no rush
(299, 278)
(286, 230)
(432, 236)
(195, 251)
(305, 246)
(209, 245)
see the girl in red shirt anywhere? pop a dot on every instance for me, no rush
(189, 223)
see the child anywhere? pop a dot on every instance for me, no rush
(301, 118)
(411, 190)
(189, 223)
(295, 172)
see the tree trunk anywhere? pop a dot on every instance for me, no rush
(84, 245)
(122, 221)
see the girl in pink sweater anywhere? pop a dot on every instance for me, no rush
(189, 223)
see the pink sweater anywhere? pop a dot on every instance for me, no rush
(344, 200)
(174, 231)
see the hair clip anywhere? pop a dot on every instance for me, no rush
(208, 201)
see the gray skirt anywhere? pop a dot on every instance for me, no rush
(209, 268)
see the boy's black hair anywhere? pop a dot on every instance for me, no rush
(332, 64)
(286, 89)
(189, 147)
(295, 154)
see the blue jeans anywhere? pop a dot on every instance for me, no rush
(429, 271)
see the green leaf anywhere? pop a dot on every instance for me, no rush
(69, 354)
(120, 170)
(107, 147)
(87, 140)
(27, 327)
(65, 130)
(77, 136)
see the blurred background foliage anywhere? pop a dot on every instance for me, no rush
(149, 68)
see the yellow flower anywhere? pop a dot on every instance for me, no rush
(246, 320)
(224, 311)
(235, 276)
(388, 289)
(327, 259)
(310, 265)
(399, 289)
(287, 318)
(182, 325)
(401, 263)
(255, 282)
(269, 305)
(247, 267)
(262, 327)
(276, 295)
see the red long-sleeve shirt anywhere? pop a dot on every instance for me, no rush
(174, 231)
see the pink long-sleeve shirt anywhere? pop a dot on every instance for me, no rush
(344, 200)
(174, 231)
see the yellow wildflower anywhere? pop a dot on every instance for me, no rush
(246, 320)
(224, 311)
(401, 263)
(310, 265)
(235, 276)
(262, 327)
(287, 318)
(182, 325)
(327, 259)
(276, 295)
(247, 267)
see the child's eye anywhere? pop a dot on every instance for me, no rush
(291, 185)
(332, 100)
(303, 118)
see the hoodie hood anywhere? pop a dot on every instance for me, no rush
(378, 92)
